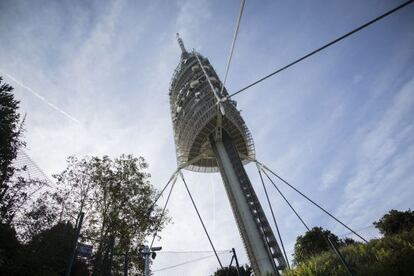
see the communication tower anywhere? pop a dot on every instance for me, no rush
(211, 136)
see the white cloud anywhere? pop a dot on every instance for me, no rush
(382, 162)
(329, 177)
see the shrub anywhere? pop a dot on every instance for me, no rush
(391, 255)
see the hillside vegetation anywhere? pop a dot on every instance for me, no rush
(390, 255)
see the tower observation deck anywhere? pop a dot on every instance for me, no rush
(211, 136)
(194, 114)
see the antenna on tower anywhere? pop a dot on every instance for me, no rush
(181, 43)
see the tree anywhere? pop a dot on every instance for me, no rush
(349, 241)
(116, 196)
(232, 271)
(313, 243)
(38, 216)
(10, 134)
(390, 255)
(16, 188)
(74, 192)
(48, 251)
(45, 254)
(395, 222)
(10, 249)
(13, 189)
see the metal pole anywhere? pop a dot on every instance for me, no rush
(111, 255)
(146, 253)
(126, 264)
(75, 242)
(237, 261)
(229, 267)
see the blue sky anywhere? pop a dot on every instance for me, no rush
(93, 77)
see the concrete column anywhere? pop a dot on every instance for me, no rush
(240, 198)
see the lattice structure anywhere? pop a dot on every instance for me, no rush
(31, 170)
(194, 114)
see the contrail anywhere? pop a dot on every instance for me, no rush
(43, 99)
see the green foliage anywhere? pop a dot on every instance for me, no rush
(13, 189)
(232, 271)
(10, 132)
(395, 222)
(49, 250)
(313, 243)
(117, 198)
(349, 241)
(391, 255)
(10, 249)
(46, 254)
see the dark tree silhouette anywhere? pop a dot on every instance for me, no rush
(232, 271)
(395, 222)
(313, 243)
(12, 188)
(10, 250)
(47, 253)
(10, 134)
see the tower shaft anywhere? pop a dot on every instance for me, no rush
(258, 238)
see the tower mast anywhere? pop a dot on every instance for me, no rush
(181, 43)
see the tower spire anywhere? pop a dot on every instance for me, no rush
(181, 43)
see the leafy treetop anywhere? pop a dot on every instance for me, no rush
(395, 222)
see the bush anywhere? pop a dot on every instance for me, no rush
(392, 255)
